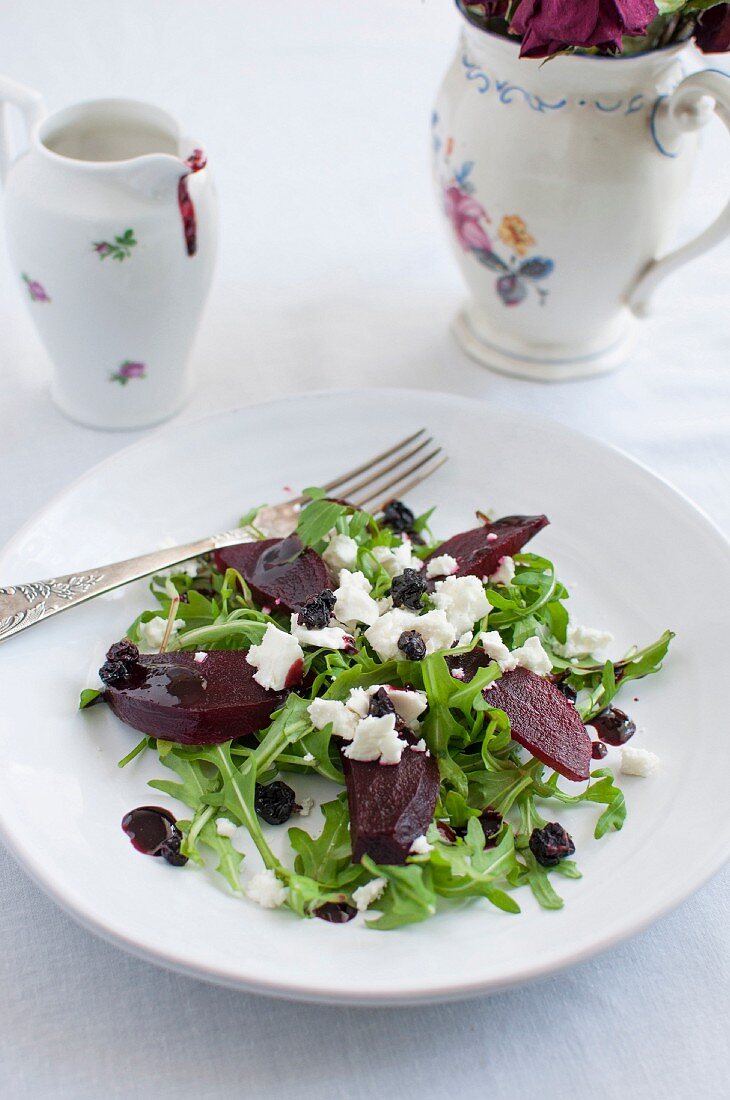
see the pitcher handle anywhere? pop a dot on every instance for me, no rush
(688, 108)
(32, 108)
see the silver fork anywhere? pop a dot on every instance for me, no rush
(405, 466)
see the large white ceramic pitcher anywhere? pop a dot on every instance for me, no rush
(111, 228)
(563, 185)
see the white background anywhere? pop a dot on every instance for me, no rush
(334, 271)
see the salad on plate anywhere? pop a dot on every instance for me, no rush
(440, 687)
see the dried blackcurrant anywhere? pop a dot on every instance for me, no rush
(412, 645)
(317, 612)
(398, 517)
(407, 590)
(598, 750)
(124, 651)
(551, 844)
(614, 726)
(114, 673)
(274, 802)
(380, 704)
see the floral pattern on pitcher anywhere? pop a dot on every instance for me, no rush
(36, 290)
(516, 273)
(127, 371)
(119, 249)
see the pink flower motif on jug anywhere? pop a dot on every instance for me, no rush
(128, 370)
(35, 289)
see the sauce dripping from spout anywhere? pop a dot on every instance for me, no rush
(195, 162)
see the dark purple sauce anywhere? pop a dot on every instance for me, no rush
(336, 912)
(194, 163)
(598, 750)
(168, 685)
(154, 832)
(613, 726)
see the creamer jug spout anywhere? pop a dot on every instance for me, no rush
(155, 175)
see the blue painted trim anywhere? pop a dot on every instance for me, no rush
(608, 110)
(652, 125)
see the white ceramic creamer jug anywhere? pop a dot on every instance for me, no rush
(111, 227)
(563, 184)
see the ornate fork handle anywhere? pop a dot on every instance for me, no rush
(23, 605)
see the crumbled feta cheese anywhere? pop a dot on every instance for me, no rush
(457, 673)
(491, 537)
(308, 758)
(305, 807)
(494, 647)
(354, 604)
(397, 558)
(421, 746)
(505, 573)
(152, 633)
(328, 637)
(359, 700)
(376, 739)
(341, 553)
(224, 827)
(421, 847)
(344, 721)
(443, 566)
(463, 601)
(365, 895)
(408, 704)
(275, 658)
(200, 657)
(266, 890)
(532, 656)
(584, 640)
(466, 639)
(435, 629)
(636, 761)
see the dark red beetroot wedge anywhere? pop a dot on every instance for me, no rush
(478, 554)
(390, 804)
(172, 696)
(280, 574)
(544, 721)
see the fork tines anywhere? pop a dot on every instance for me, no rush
(408, 463)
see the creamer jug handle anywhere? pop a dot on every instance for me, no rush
(31, 107)
(689, 107)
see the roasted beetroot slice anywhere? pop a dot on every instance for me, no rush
(390, 804)
(175, 697)
(280, 574)
(544, 721)
(478, 555)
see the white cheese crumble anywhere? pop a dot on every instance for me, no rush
(443, 566)
(376, 739)
(584, 640)
(266, 890)
(434, 627)
(341, 553)
(457, 673)
(328, 637)
(365, 895)
(305, 807)
(354, 604)
(344, 721)
(532, 656)
(505, 573)
(408, 704)
(494, 647)
(200, 657)
(308, 758)
(421, 847)
(274, 657)
(636, 761)
(466, 639)
(421, 746)
(152, 633)
(397, 558)
(463, 601)
(224, 827)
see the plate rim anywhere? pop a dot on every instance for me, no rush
(310, 992)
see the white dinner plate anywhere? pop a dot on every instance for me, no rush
(638, 558)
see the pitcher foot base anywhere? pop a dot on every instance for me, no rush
(533, 366)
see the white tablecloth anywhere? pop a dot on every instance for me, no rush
(334, 271)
